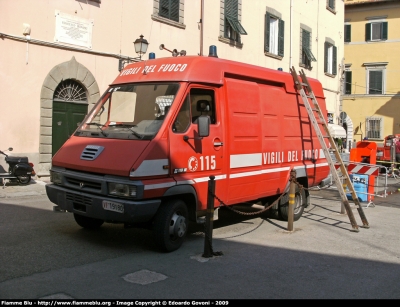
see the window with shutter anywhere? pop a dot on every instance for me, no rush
(306, 54)
(330, 63)
(169, 9)
(375, 82)
(274, 35)
(330, 5)
(233, 27)
(347, 33)
(376, 31)
(347, 82)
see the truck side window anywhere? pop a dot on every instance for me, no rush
(182, 121)
(203, 103)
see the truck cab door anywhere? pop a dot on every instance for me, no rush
(194, 159)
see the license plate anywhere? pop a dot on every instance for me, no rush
(111, 206)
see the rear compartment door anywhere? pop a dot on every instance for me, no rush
(194, 160)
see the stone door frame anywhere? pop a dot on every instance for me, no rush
(67, 70)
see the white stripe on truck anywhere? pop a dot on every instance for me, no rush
(246, 160)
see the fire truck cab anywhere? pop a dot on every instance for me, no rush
(145, 152)
(385, 154)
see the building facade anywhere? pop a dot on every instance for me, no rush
(372, 68)
(57, 57)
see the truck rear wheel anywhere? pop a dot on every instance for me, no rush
(170, 225)
(299, 200)
(87, 222)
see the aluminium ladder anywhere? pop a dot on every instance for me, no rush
(303, 87)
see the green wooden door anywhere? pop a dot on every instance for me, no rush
(66, 118)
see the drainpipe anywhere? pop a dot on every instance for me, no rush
(291, 31)
(201, 27)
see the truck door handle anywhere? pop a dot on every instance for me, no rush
(218, 144)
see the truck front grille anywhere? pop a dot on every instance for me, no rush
(84, 184)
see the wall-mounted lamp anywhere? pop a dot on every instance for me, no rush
(141, 45)
(174, 52)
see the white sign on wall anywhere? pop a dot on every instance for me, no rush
(73, 30)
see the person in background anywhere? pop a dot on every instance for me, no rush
(397, 147)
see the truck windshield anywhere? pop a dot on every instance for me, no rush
(130, 111)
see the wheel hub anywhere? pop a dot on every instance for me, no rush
(178, 226)
(298, 203)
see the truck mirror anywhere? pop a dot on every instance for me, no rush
(203, 126)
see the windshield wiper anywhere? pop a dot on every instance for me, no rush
(122, 125)
(129, 126)
(98, 126)
(136, 134)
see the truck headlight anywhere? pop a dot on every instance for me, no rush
(120, 189)
(379, 154)
(55, 177)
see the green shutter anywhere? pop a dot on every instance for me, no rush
(305, 39)
(163, 10)
(326, 45)
(306, 43)
(367, 32)
(231, 7)
(174, 10)
(267, 32)
(348, 80)
(375, 82)
(236, 25)
(281, 38)
(334, 61)
(169, 9)
(231, 17)
(347, 33)
(384, 30)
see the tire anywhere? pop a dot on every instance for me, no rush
(271, 213)
(170, 225)
(24, 179)
(87, 222)
(299, 203)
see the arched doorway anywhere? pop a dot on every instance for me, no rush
(70, 70)
(70, 106)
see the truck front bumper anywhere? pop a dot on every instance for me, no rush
(91, 205)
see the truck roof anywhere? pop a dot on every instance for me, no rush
(209, 70)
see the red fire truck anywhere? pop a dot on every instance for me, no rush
(145, 152)
(386, 154)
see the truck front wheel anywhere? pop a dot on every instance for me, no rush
(87, 222)
(300, 198)
(170, 225)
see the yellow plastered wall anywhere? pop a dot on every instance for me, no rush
(359, 55)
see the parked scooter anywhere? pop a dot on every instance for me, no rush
(19, 169)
